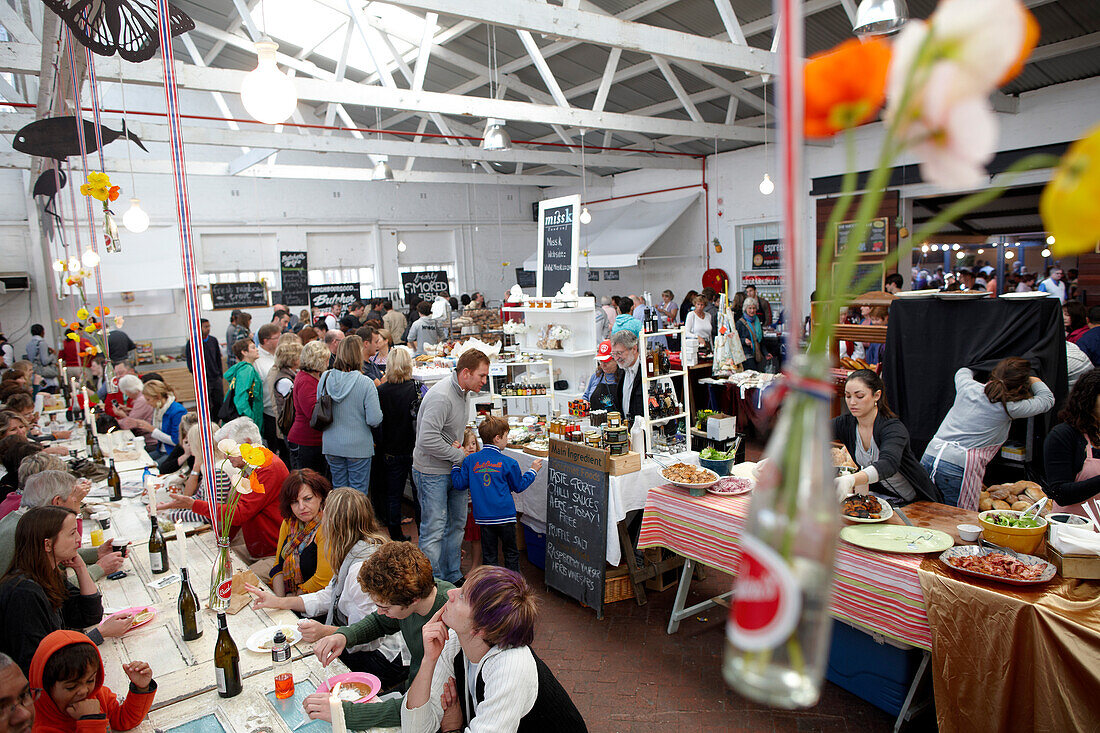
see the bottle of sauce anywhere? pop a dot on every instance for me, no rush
(227, 661)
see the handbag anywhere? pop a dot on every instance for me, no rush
(321, 418)
(47, 370)
(286, 416)
(229, 404)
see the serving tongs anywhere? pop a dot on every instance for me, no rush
(1037, 506)
(989, 547)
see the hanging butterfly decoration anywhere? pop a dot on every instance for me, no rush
(126, 26)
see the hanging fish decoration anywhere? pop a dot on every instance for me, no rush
(56, 137)
(128, 27)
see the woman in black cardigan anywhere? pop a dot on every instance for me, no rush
(35, 597)
(879, 443)
(1071, 451)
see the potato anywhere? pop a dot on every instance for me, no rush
(1020, 506)
(985, 505)
(998, 504)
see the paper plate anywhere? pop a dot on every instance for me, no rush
(257, 641)
(362, 678)
(897, 538)
(966, 550)
(137, 610)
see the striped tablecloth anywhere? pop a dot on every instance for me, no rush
(877, 591)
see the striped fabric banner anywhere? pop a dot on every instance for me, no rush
(874, 590)
(187, 249)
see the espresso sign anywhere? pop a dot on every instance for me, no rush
(558, 241)
(765, 254)
(427, 285)
(238, 295)
(576, 522)
(293, 269)
(333, 298)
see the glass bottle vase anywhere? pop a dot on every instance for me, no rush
(221, 577)
(777, 640)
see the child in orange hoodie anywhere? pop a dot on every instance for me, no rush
(67, 674)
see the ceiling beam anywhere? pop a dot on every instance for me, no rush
(678, 89)
(1062, 48)
(602, 30)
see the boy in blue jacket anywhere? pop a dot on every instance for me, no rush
(491, 477)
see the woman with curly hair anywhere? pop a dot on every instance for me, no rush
(1070, 452)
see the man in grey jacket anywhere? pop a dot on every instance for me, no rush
(440, 424)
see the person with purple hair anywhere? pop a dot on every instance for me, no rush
(478, 664)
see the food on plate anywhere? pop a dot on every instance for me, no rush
(288, 631)
(998, 565)
(841, 457)
(352, 691)
(1007, 520)
(141, 617)
(862, 507)
(685, 473)
(731, 485)
(1016, 496)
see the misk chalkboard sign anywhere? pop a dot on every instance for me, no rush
(576, 522)
(293, 268)
(558, 240)
(427, 285)
(334, 297)
(238, 295)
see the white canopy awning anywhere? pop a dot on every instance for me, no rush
(617, 237)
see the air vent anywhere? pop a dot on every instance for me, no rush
(14, 281)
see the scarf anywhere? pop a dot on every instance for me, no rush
(361, 550)
(297, 540)
(756, 335)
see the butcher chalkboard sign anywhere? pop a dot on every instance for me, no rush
(294, 270)
(334, 297)
(558, 240)
(426, 285)
(238, 295)
(576, 522)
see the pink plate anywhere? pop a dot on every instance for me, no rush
(360, 677)
(136, 610)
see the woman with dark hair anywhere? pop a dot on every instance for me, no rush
(879, 443)
(303, 440)
(301, 563)
(1070, 451)
(399, 398)
(1075, 317)
(35, 596)
(977, 424)
(687, 304)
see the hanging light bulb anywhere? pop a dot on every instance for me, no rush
(74, 264)
(1050, 239)
(924, 248)
(496, 137)
(1009, 254)
(935, 248)
(879, 17)
(956, 246)
(960, 255)
(135, 219)
(1045, 253)
(267, 93)
(59, 265)
(766, 185)
(90, 258)
(981, 251)
(585, 217)
(401, 246)
(382, 171)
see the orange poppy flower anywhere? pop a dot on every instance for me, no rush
(1031, 37)
(113, 193)
(846, 86)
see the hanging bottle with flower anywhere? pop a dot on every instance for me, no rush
(99, 187)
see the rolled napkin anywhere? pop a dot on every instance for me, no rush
(1074, 540)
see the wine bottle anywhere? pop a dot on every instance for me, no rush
(114, 482)
(89, 437)
(280, 660)
(188, 607)
(96, 452)
(227, 661)
(158, 548)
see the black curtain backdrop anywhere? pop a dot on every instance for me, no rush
(928, 340)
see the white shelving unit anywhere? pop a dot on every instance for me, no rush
(576, 358)
(504, 369)
(648, 380)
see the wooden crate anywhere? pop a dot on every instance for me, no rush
(630, 463)
(617, 585)
(669, 577)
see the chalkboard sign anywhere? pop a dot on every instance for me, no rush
(334, 297)
(526, 278)
(238, 295)
(593, 276)
(576, 522)
(610, 274)
(877, 241)
(558, 239)
(293, 267)
(765, 254)
(426, 285)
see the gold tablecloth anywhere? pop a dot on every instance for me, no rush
(1006, 658)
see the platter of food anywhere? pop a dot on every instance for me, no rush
(354, 686)
(865, 509)
(263, 640)
(142, 615)
(897, 538)
(1003, 566)
(731, 486)
(687, 476)
(1017, 496)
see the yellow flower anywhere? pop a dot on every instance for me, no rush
(1068, 204)
(82, 314)
(72, 336)
(97, 178)
(253, 455)
(90, 328)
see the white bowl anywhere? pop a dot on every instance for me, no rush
(1072, 520)
(968, 532)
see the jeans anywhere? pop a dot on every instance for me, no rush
(307, 456)
(395, 474)
(442, 521)
(947, 477)
(353, 472)
(506, 533)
